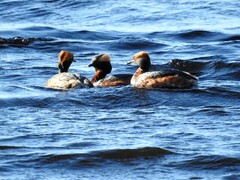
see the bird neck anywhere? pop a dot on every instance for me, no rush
(99, 74)
(138, 72)
(61, 71)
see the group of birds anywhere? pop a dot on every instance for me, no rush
(142, 78)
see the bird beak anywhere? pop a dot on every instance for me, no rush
(130, 62)
(92, 62)
(90, 65)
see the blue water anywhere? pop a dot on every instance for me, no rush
(120, 132)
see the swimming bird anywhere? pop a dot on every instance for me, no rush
(65, 80)
(167, 78)
(102, 65)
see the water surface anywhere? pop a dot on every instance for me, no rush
(120, 132)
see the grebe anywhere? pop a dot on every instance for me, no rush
(65, 80)
(103, 66)
(172, 78)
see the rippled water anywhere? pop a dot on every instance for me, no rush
(120, 132)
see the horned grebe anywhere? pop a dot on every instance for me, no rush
(65, 80)
(172, 78)
(103, 66)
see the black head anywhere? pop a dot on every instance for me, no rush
(102, 62)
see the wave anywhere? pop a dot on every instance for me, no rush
(84, 35)
(205, 36)
(51, 39)
(10, 147)
(30, 101)
(208, 67)
(199, 35)
(137, 43)
(146, 152)
(232, 176)
(232, 38)
(194, 67)
(69, 160)
(230, 93)
(195, 34)
(214, 162)
(100, 157)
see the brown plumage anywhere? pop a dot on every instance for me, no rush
(65, 59)
(168, 78)
(103, 66)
